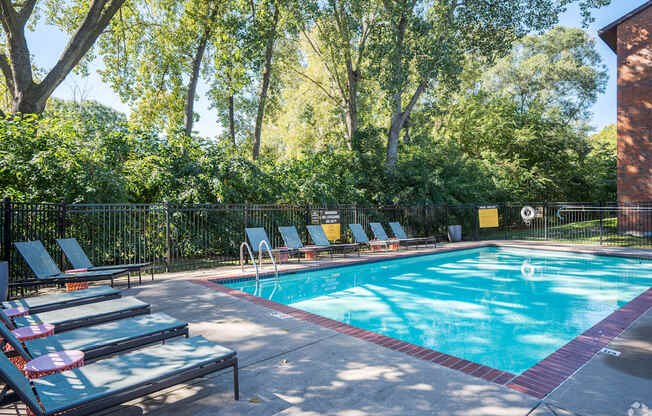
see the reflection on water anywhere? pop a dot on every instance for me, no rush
(504, 308)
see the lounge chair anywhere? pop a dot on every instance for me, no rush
(293, 241)
(319, 238)
(46, 303)
(45, 268)
(101, 340)
(79, 260)
(257, 235)
(361, 237)
(399, 233)
(82, 315)
(95, 387)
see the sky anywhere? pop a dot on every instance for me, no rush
(47, 43)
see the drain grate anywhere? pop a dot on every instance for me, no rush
(610, 352)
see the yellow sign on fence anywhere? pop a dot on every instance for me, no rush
(488, 217)
(332, 231)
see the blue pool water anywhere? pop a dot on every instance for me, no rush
(501, 307)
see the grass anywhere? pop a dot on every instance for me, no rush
(580, 232)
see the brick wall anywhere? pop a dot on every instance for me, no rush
(635, 108)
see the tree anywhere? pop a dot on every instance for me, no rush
(423, 43)
(559, 72)
(153, 58)
(338, 40)
(608, 135)
(28, 94)
(269, 19)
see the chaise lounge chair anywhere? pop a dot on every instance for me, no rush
(101, 340)
(80, 260)
(293, 241)
(82, 315)
(361, 237)
(399, 233)
(45, 268)
(319, 238)
(89, 389)
(46, 303)
(257, 235)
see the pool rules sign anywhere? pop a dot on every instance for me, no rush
(488, 217)
(329, 220)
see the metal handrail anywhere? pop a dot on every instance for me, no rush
(251, 256)
(271, 256)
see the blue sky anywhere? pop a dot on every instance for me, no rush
(47, 43)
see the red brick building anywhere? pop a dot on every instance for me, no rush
(629, 37)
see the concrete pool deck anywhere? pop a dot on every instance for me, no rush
(293, 367)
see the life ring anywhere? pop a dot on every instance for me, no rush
(527, 269)
(528, 213)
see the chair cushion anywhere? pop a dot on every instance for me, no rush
(97, 336)
(74, 313)
(47, 300)
(101, 379)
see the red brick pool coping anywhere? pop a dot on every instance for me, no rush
(537, 381)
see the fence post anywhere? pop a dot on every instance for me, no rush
(61, 229)
(245, 220)
(505, 218)
(6, 235)
(477, 222)
(600, 210)
(355, 212)
(545, 220)
(168, 237)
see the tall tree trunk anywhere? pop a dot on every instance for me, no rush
(189, 112)
(398, 122)
(231, 120)
(27, 95)
(352, 102)
(269, 51)
(189, 109)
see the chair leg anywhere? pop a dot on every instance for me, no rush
(128, 280)
(236, 384)
(140, 277)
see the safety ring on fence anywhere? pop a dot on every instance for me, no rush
(527, 269)
(528, 213)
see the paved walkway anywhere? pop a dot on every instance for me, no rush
(293, 367)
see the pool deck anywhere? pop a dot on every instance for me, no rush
(290, 366)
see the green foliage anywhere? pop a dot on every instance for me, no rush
(559, 72)
(471, 130)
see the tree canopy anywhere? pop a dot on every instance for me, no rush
(370, 101)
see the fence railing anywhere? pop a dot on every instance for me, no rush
(181, 237)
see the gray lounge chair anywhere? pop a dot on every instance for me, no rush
(46, 303)
(319, 238)
(101, 340)
(361, 237)
(257, 235)
(45, 268)
(80, 260)
(380, 234)
(82, 315)
(293, 241)
(399, 233)
(89, 389)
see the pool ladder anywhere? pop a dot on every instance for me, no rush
(260, 258)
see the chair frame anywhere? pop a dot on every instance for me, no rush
(137, 267)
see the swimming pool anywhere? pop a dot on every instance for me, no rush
(500, 307)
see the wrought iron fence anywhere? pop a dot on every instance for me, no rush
(181, 237)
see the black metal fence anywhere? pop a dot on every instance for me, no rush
(182, 237)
